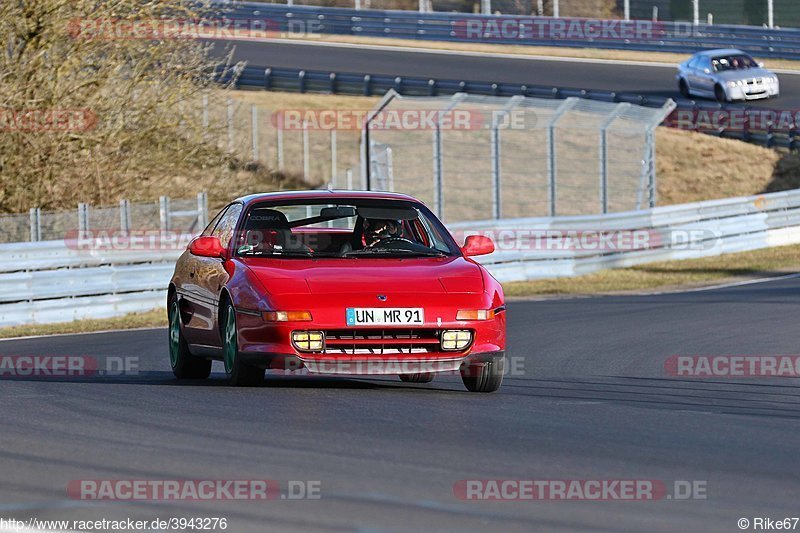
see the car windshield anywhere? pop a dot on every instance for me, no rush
(733, 62)
(347, 229)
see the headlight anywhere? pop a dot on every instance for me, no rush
(308, 341)
(475, 314)
(456, 339)
(286, 316)
(737, 83)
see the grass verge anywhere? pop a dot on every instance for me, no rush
(669, 275)
(154, 318)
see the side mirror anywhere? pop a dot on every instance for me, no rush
(477, 245)
(207, 246)
(760, 64)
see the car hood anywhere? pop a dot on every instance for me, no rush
(733, 75)
(332, 276)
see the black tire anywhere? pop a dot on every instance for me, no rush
(239, 373)
(420, 377)
(484, 377)
(184, 364)
(720, 95)
(684, 88)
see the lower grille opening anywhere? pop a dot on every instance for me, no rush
(382, 341)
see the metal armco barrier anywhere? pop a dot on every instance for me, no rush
(508, 29)
(36, 288)
(779, 134)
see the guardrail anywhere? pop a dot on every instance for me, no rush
(51, 281)
(686, 231)
(542, 31)
(769, 133)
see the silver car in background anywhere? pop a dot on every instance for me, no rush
(726, 75)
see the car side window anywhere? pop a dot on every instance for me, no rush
(227, 224)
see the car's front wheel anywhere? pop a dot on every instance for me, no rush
(719, 93)
(239, 373)
(420, 377)
(184, 364)
(684, 88)
(485, 376)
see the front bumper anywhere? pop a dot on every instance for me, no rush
(757, 92)
(268, 344)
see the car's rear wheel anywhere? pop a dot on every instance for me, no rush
(420, 377)
(239, 373)
(486, 376)
(684, 88)
(184, 364)
(720, 95)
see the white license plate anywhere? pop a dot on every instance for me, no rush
(384, 316)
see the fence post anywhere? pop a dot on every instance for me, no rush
(36, 224)
(651, 161)
(125, 216)
(280, 146)
(497, 207)
(556, 10)
(696, 12)
(437, 170)
(496, 196)
(254, 130)
(163, 212)
(306, 155)
(552, 163)
(366, 143)
(349, 175)
(770, 14)
(83, 218)
(604, 153)
(333, 157)
(389, 169)
(202, 210)
(627, 9)
(230, 125)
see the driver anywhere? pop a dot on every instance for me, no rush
(377, 230)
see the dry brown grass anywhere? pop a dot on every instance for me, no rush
(149, 319)
(693, 166)
(668, 275)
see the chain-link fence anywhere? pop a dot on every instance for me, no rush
(784, 13)
(289, 140)
(166, 214)
(476, 157)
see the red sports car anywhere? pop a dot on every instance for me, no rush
(336, 282)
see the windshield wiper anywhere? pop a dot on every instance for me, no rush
(400, 251)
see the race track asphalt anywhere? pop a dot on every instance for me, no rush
(589, 398)
(633, 78)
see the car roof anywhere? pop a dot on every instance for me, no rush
(323, 194)
(720, 52)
